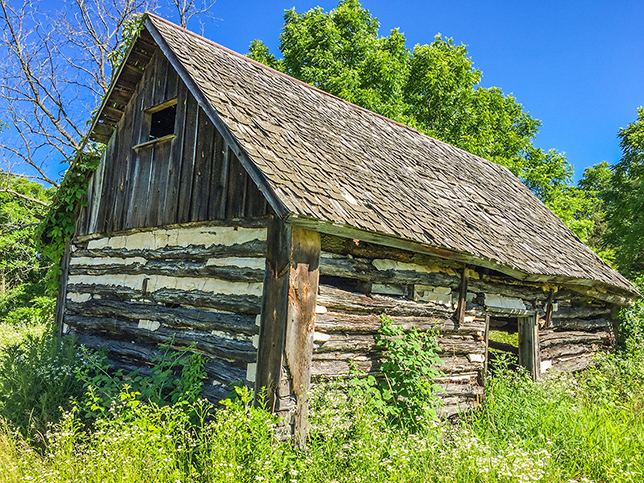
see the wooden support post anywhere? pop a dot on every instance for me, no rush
(487, 345)
(288, 322)
(548, 320)
(462, 298)
(302, 300)
(62, 287)
(274, 313)
(529, 356)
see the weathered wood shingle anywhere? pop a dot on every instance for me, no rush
(329, 160)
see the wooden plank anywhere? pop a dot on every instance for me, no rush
(300, 325)
(62, 287)
(218, 179)
(237, 179)
(160, 77)
(274, 313)
(238, 303)
(487, 344)
(188, 160)
(255, 173)
(139, 204)
(529, 354)
(203, 165)
(174, 268)
(548, 319)
(330, 322)
(171, 198)
(160, 183)
(462, 297)
(172, 82)
(206, 342)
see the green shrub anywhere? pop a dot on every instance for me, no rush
(161, 386)
(40, 311)
(409, 370)
(631, 322)
(37, 378)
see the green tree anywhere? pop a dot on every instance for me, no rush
(625, 200)
(22, 203)
(433, 88)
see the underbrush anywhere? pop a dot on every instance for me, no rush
(135, 427)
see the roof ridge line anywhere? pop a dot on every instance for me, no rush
(282, 74)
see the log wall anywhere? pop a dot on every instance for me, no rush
(359, 282)
(197, 285)
(190, 177)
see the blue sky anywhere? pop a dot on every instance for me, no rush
(576, 65)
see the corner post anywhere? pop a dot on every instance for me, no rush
(287, 324)
(300, 328)
(62, 287)
(274, 312)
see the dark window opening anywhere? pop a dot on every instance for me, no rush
(162, 122)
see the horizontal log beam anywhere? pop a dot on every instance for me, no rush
(330, 322)
(244, 304)
(178, 268)
(253, 248)
(120, 329)
(178, 318)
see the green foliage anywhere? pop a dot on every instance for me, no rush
(631, 322)
(39, 311)
(59, 223)
(19, 214)
(588, 423)
(37, 377)
(161, 386)
(625, 200)
(20, 297)
(409, 369)
(433, 88)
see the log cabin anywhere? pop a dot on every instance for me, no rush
(268, 225)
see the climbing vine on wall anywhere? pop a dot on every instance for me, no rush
(58, 225)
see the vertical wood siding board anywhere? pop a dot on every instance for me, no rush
(255, 173)
(152, 192)
(149, 76)
(236, 181)
(131, 168)
(139, 204)
(98, 176)
(172, 82)
(203, 165)
(255, 201)
(300, 328)
(143, 201)
(188, 159)
(176, 158)
(160, 79)
(274, 312)
(223, 183)
(216, 188)
(162, 182)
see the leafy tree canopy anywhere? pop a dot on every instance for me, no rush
(22, 204)
(433, 88)
(624, 197)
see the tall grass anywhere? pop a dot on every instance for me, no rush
(575, 428)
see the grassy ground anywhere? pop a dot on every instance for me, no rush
(564, 429)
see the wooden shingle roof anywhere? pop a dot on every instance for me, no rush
(334, 166)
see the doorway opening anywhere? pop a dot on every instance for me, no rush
(513, 341)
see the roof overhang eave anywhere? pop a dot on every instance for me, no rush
(592, 288)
